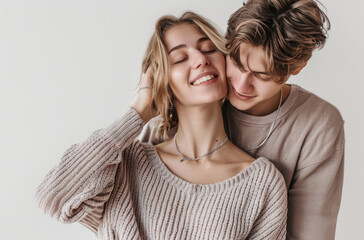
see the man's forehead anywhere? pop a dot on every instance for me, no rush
(253, 58)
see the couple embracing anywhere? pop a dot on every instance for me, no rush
(229, 151)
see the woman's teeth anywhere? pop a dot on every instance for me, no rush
(203, 79)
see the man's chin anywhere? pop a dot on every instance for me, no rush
(240, 105)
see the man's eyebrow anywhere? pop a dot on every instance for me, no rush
(252, 71)
(256, 72)
(248, 68)
(184, 45)
(203, 39)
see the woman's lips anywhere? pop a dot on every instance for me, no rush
(203, 79)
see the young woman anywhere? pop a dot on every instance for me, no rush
(196, 184)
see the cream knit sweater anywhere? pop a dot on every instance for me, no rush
(119, 188)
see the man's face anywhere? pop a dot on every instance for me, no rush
(251, 88)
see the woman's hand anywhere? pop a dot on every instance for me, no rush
(144, 102)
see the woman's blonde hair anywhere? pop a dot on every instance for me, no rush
(156, 58)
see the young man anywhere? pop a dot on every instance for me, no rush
(303, 135)
(268, 41)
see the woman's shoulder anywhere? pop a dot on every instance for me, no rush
(138, 153)
(142, 149)
(266, 175)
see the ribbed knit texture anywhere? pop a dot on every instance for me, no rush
(120, 189)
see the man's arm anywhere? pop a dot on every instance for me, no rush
(151, 130)
(314, 196)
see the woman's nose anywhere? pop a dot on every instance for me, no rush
(200, 60)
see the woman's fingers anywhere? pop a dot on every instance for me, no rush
(144, 102)
(147, 78)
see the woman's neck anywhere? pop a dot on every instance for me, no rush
(200, 129)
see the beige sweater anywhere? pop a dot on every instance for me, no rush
(307, 147)
(119, 188)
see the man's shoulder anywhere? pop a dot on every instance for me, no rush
(312, 108)
(318, 125)
(150, 131)
(306, 122)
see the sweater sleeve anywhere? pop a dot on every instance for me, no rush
(78, 187)
(314, 196)
(271, 223)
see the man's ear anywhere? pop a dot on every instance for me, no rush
(298, 70)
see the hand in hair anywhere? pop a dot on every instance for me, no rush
(144, 103)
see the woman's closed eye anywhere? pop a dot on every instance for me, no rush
(207, 47)
(180, 60)
(184, 58)
(178, 57)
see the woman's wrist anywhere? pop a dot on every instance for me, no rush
(145, 112)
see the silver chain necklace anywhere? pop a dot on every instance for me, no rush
(202, 156)
(271, 126)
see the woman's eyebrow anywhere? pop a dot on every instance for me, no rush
(184, 45)
(177, 47)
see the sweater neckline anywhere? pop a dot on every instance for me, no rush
(178, 182)
(267, 119)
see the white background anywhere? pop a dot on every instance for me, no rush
(70, 67)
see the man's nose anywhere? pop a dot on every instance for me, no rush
(242, 82)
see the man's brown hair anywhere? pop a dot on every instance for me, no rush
(288, 31)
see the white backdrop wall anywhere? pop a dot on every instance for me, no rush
(70, 67)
